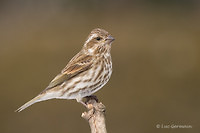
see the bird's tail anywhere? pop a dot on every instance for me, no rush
(29, 103)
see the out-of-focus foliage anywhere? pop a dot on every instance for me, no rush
(156, 63)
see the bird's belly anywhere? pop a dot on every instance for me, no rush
(86, 83)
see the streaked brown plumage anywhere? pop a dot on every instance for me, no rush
(87, 72)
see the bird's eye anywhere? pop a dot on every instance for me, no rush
(98, 38)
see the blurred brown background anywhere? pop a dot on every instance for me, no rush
(156, 60)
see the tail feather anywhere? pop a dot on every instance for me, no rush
(29, 103)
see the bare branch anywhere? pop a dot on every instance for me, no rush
(95, 115)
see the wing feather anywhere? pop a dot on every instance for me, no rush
(77, 65)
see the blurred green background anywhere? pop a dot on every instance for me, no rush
(156, 61)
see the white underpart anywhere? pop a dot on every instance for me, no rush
(91, 50)
(49, 95)
(107, 55)
(80, 85)
(77, 87)
(107, 78)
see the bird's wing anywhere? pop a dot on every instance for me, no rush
(77, 65)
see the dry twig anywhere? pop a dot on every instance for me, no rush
(95, 115)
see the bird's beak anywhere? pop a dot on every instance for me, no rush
(110, 39)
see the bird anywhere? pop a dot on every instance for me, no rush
(86, 73)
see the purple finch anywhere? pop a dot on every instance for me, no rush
(87, 72)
